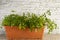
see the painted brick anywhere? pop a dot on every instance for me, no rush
(35, 6)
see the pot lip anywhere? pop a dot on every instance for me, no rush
(26, 28)
(17, 26)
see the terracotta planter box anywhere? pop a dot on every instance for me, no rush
(15, 33)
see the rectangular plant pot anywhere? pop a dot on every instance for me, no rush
(15, 33)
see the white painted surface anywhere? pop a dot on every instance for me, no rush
(35, 6)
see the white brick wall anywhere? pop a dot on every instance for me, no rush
(35, 6)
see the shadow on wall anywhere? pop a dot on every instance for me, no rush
(2, 31)
(2, 2)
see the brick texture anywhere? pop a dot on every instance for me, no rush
(35, 6)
